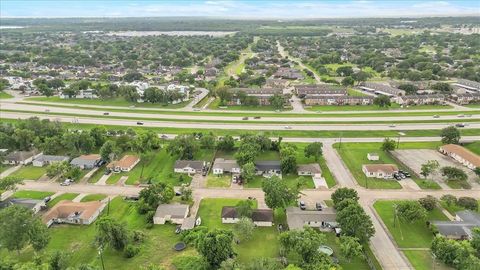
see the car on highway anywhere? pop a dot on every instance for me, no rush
(257, 117)
(436, 116)
(288, 127)
(196, 109)
(460, 125)
(245, 118)
(106, 113)
(140, 123)
(47, 110)
(392, 125)
(461, 115)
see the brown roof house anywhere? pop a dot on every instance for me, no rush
(461, 154)
(125, 164)
(312, 169)
(21, 157)
(385, 171)
(69, 212)
(260, 217)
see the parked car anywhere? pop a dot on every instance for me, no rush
(303, 206)
(178, 193)
(140, 123)
(407, 174)
(288, 127)
(402, 175)
(397, 176)
(47, 199)
(164, 136)
(65, 183)
(319, 206)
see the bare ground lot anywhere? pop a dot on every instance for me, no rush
(414, 158)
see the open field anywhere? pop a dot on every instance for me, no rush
(29, 172)
(410, 235)
(215, 105)
(119, 102)
(355, 155)
(32, 194)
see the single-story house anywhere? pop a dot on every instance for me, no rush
(21, 157)
(312, 169)
(188, 224)
(175, 213)
(324, 220)
(385, 171)
(221, 166)
(189, 166)
(125, 164)
(69, 212)
(268, 167)
(421, 99)
(461, 227)
(34, 205)
(86, 161)
(43, 160)
(373, 156)
(260, 217)
(461, 154)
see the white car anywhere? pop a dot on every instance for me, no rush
(198, 222)
(392, 125)
(288, 127)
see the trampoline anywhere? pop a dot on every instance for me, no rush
(326, 250)
(180, 246)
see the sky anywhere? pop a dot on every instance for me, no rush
(237, 9)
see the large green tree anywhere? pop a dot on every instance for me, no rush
(450, 135)
(183, 146)
(342, 194)
(314, 150)
(278, 194)
(216, 246)
(155, 194)
(112, 232)
(410, 211)
(355, 222)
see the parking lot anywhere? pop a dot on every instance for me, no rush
(414, 158)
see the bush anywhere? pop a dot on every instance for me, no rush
(429, 202)
(131, 251)
(189, 263)
(449, 199)
(468, 203)
(138, 236)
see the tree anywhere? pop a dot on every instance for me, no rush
(10, 183)
(226, 143)
(98, 134)
(248, 171)
(450, 135)
(304, 242)
(442, 87)
(262, 264)
(156, 194)
(410, 89)
(429, 167)
(184, 146)
(388, 145)
(361, 76)
(342, 194)
(208, 141)
(246, 153)
(45, 90)
(457, 254)
(143, 144)
(344, 71)
(314, 150)
(58, 260)
(244, 208)
(55, 84)
(382, 101)
(20, 227)
(109, 151)
(244, 228)
(449, 199)
(186, 193)
(111, 232)
(454, 174)
(288, 158)
(477, 171)
(350, 247)
(277, 101)
(411, 211)
(216, 247)
(468, 203)
(475, 242)
(429, 202)
(278, 194)
(355, 222)
(348, 81)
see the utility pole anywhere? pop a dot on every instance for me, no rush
(100, 253)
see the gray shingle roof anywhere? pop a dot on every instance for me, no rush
(173, 210)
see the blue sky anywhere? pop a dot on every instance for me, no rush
(236, 9)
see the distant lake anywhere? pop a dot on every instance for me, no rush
(11, 27)
(169, 33)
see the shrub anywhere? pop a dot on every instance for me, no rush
(131, 251)
(449, 199)
(429, 202)
(468, 203)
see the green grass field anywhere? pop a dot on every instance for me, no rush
(215, 105)
(32, 194)
(474, 147)
(355, 155)
(157, 248)
(118, 102)
(97, 175)
(410, 235)
(4, 95)
(395, 107)
(93, 197)
(65, 196)
(30, 172)
(219, 180)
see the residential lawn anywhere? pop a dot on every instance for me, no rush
(115, 177)
(422, 260)
(65, 196)
(292, 180)
(93, 197)
(4, 95)
(4, 168)
(474, 147)
(30, 172)
(159, 168)
(355, 155)
(202, 102)
(264, 241)
(32, 194)
(219, 180)
(157, 248)
(98, 174)
(472, 105)
(301, 159)
(268, 155)
(458, 184)
(117, 102)
(334, 242)
(355, 93)
(426, 184)
(454, 207)
(408, 235)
